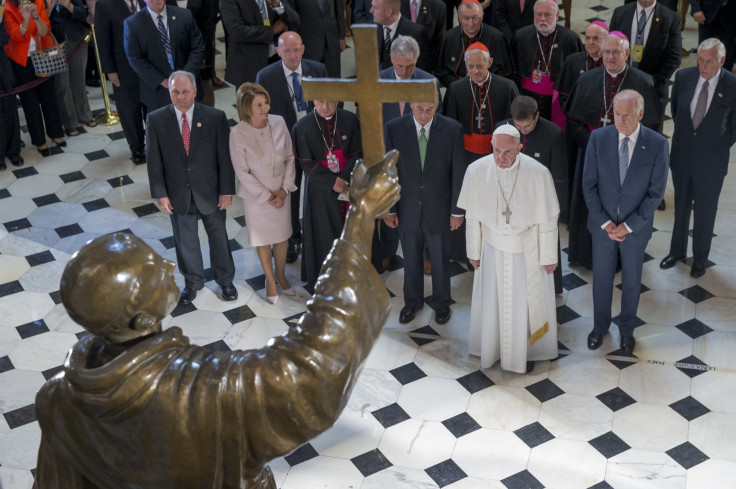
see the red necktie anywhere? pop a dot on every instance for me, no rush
(132, 5)
(185, 132)
(521, 5)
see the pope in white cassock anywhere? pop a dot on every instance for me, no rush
(511, 214)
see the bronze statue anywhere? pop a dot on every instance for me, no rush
(136, 407)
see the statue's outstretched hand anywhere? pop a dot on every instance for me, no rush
(374, 190)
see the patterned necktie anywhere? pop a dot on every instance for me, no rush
(623, 160)
(640, 27)
(165, 39)
(185, 132)
(422, 146)
(132, 6)
(301, 105)
(700, 105)
(413, 10)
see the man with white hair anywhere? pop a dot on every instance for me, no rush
(590, 106)
(705, 131)
(578, 63)
(511, 211)
(479, 101)
(539, 52)
(450, 65)
(623, 182)
(387, 14)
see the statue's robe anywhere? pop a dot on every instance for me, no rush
(166, 414)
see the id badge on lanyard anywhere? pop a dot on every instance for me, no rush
(636, 53)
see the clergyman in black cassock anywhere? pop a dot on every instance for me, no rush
(327, 150)
(451, 63)
(545, 142)
(588, 108)
(478, 102)
(539, 51)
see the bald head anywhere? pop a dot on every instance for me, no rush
(290, 49)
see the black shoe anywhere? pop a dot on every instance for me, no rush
(61, 144)
(16, 160)
(138, 157)
(698, 270)
(669, 261)
(442, 315)
(292, 254)
(662, 206)
(407, 314)
(229, 292)
(187, 296)
(595, 340)
(529, 367)
(44, 152)
(627, 344)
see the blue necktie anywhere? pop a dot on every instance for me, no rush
(165, 40)
(301, 105)
(623, 161)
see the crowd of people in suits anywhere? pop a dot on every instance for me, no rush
(506, 62)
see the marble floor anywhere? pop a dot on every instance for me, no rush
(423, 415)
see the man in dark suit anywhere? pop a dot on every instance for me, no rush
(192, 177)
(282, 81)
(624, 177)
(404, 55)
(362, 12)
(511, 15)
(251, 27)
(656, 41)
(429, 14)
(431, 169)
(387, 14)
(704, 111)
(110, 16)
(716, 18)
(323, 31)
(160, 39)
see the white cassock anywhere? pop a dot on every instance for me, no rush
(512, 315)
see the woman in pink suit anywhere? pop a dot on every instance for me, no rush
(262, 155)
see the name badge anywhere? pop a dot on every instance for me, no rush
(636, 53)
(537, 76)
(536, 155)
(267, 22)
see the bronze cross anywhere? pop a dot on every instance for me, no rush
(369, 92)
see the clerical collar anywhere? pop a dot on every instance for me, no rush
(614, 75)
(476, 35)
(485, 80)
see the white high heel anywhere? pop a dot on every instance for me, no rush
(272, 299)
(290, 291)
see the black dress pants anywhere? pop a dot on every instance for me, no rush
(39, 105)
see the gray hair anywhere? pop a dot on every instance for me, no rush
(710, 43)
(553, 2)
(624, 43)
(405, 46)
(183, 73)
(629, 94)
(486, 54)
(472, 5)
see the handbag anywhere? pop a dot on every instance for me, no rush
(50, 61)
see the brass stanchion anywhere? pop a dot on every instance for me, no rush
(107, 118)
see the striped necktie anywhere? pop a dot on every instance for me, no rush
(165, 40)
(623, 160)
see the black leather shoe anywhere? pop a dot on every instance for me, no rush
(442, 315)
(407, 314)
(138, 157)
(662, 206)
(627, 344)
(229, 292)
(669, 261)
(44, 151)
(187, 296)
(16, 160)
(595, 340)
(292, 254)
(698, 270)
(529, 367)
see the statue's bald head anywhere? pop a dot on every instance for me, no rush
(116, 286)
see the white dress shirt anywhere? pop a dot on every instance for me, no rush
(290, 83)
(635, 23)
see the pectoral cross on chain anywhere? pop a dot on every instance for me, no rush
(507, 213)
(605, 120)
(479, 118)
(370, 92)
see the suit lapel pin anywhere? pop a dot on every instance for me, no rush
(656, 19)
(344, 138)
(199, 124)
(424, 10)
(173, 17)
(452, 58)
(720, 95)
(643, 147)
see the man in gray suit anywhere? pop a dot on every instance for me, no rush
(624, 177)
(191, 177)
